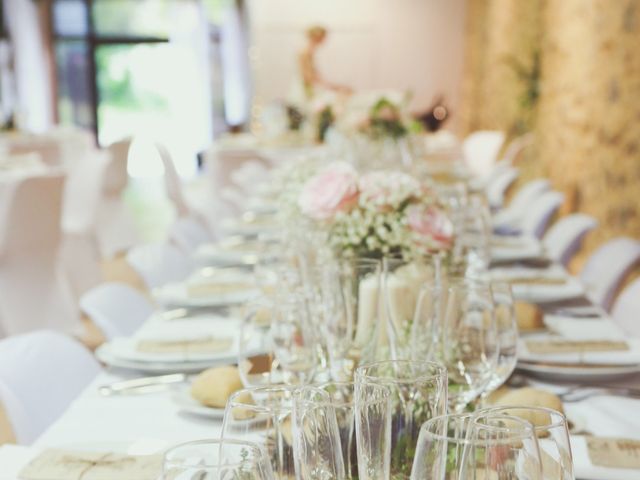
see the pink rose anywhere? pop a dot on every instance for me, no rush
(430, 222)
(333, 190)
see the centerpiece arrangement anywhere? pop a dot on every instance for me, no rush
(377, 214)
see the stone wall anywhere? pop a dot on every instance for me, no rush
(587, 119)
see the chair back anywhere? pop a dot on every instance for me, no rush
(564, 238)
(480, 150)
(41, 373)
(540, 213)
(173, 183)
(626, 309)
(607, 267)
(187, 233)
(498, 186)
(117, 309)
(159, 264)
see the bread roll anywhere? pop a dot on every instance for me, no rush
(531, 397)
(214, 386)
(529, 316)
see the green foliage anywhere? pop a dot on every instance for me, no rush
(529, 77)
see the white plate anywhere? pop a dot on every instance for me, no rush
(236, 227)
(188, 404)
(564, 373)
(176, 295)
(104, 354)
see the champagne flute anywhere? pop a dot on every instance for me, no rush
(418, 391)
(216, 460)
(263, 415)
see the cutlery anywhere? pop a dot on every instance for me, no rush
(142, 385)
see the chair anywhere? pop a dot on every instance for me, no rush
(82, 199)
(515, 148)
(117, 309)
(249, 174)
(41, 373)
(521, 201)
(187, 233)
(159, 264)
(564, 238)
(34, 292)
(173, 183)
(480, 150)
(605, 269)
(541, 211)
(626, 310)
(115, 227)
(499, 185)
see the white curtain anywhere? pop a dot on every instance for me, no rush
(235, 67)
(34, 96)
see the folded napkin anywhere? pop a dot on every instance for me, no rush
(209, 289)
(594, 458)
(598, 328)
(553, 273)
(57, 464)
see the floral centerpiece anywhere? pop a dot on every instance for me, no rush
(376, 214)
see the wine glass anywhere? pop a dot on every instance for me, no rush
(316, 446)
(456, 447)
(216, 460)
(455, 325)
(263, 415)
(552, 432)
(418, 391)
(507, 331)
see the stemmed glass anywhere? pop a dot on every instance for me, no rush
(417, 390)
(552, 432)
(455, 325)
(256, 363)
(263, 415)
(216, 460)
(459, 447)
(507, 331)
(316, 438)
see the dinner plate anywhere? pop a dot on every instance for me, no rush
(106, 355)
(177, 295)
(558, 372)
(188, 404)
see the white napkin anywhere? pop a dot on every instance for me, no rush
(541, 293)
(13, 458)
(522, 251)
(574, 328)
(554, 272)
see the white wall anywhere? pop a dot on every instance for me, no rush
(372, 44)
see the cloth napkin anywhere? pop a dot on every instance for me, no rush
(584, 469)
(601, 328)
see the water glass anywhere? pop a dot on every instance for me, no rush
(457, 447)
(552, 432)
(373, 418)
(216, 460)
(418, 392)
(263, 416)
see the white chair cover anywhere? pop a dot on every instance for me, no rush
(606, 268)
(564, 238)
(537, 217)
(34, 293)
(173, 183)
(499, 185)
(41, 373)
(187, 233)
(521, 201)
(115, 226)
(82, 199)
(516, 147)
(159, 264)
(626, 310)
(117, 309)
(480, 150)
(249, 174)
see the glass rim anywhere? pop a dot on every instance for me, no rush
(219, 442)
(232, 401)
(558, 419)
(433, 366)
(335, 403)
(470, 418)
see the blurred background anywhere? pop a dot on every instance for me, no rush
(189, 71)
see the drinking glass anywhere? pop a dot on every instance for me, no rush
(316, 438)
(373, 430)
(418, 392)
(457, 327)
(263, 415)
(351, 298)
(507, 331)
(342, 397)
(456, 447)
(216, 460)
(552, 432)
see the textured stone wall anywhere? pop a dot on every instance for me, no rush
(587, 118)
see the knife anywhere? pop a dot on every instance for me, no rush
(142, 385)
